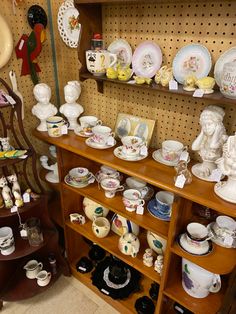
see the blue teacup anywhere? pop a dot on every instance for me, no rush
(164, 201)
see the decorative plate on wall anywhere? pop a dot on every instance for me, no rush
(192, 59)
(6, 46)
(227, 56)
(123, 51)
(68, 24)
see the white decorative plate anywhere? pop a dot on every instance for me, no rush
(6, 46)
(68, 25)
(192, 59)
(123, 51)
(227, 56)
(147, 59)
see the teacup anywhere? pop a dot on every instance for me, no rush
(102, 134)
(43, 278)
(132, 198)
(79, 174)
(107, 172)
(136, 183)
(111, 186)
(97, 62)
(225, 227)
(7, 244)
(55, 126)
(196, 234)
(88, 122)
(77, 218)
(101, 227)
(32, 268)
(171, 150)
(132, 145)
(164, 201)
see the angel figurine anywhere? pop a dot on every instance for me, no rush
(71, 109)
(210, 141)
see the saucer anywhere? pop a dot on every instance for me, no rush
(218, 240)
(76, 184)
(201, 251)
(80, 132)
(90, 142)
(118, 153)
(152, 208)
(156, 155)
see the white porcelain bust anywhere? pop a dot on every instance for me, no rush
(43, 109)
(210, 141)
(227, 164)
(71, 109)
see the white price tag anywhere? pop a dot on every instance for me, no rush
(228, 240)
(26, 197)
(23, 233)
(184, 156)
(216, 175)
(198, 93)
(64, 129)
(21, 44)
(82, 268)
(173, 85)
(105, 291)
(10, 99)
(131, 82)
(14, 209)
(140, 210)
(91, 180)
(110, 141)
(179, 183)
(143, 150)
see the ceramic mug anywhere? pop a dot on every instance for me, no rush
(131, 145)
(88, 122)
(101, 227)
(228, 80)
(197, 281)
(164, 201)
(43, 278)
(54, 126)
(32, 268)
(7, 245)
(111, 186)
(102, 134)
(171, 150)
(132, 198)
(97, 62)
(138, 184)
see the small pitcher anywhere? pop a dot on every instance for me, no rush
(32, 268)
(101, 227)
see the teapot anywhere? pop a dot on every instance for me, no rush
(129, 244)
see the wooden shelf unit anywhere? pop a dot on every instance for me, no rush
(73, 152)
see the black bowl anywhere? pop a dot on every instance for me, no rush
(84, 265)
(96, 253)
(144, 305)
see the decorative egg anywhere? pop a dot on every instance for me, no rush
(93, 209)
(155, 242)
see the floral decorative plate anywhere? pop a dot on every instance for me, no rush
(6, 42)
(192, 59)
(227, 56)
(147, 59)
(68, 25)
(123, 51)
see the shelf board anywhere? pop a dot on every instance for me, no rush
(175, 291)
(217, 97)
(22, 247)
(125, 306)
(147, 221)
(219, 261)
(110, 244)
(148, 169)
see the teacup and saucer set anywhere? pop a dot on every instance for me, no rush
(102, 137)
(132, 200)
(196, 240)
(79, 177)
(86, 125)
(111, 186)
(146, 191)
(161, 206)
(223, 231)
(107, 172)
(169, 153)
(133, 149)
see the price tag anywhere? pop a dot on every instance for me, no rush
(173, 85)
(64, 129)
(82, 268)
(216, 175)
(143, 150)
(198, 93)
(23, 233)
(179, 183)
(110, 141)
(105, 291)
(228, 240)
(131, 82)
(184, 156)
(26, 197)
(21, 44)
(91, 180)
(10, 99)
(140, 210)
(14, 209)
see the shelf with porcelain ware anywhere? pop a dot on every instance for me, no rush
(217, 97)
(22, 247)
(12, 161)
(148, 169)
(110, 244)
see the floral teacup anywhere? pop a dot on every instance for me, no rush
(132, 199)
(111, 186)
(102, 134)
(132, 145)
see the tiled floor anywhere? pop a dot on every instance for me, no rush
(66, 296)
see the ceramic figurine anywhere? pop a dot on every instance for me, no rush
(210, 141)
(6, 193)
(227, 164)
(141, 80)
(43, 109)
(190, 83)
(53, 175)
(71, 109)
(182, 168)
(164, 76)
(159, 74)
(158, 265)
(148, 257)
(124, 74)
(206, 84)
(112, 73)
(5, 144)
(16, 191)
